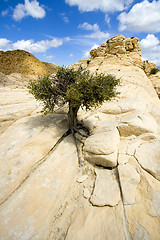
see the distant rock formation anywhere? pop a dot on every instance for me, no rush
(126, 51)
(19, 61)
(117, 45)
(18, 66)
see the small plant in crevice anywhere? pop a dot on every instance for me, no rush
(88, 62)
(78, 88)
(154, 70)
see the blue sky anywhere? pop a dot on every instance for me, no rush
(64, 31)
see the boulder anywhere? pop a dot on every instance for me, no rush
(148, 156)
(101, 148)
(106, 191)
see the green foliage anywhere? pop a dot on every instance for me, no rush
(154, 70)
(79, 88)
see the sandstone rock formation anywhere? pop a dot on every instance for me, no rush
(155, 79)
(116, 192)
(17, 66)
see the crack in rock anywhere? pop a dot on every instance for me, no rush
(42, 160)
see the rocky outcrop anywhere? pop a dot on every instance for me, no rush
(17, 67)
(116, 192)
(119, 48)
(20, 61)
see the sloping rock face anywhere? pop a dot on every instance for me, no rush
(20, 61)
(116, 192)
(18, 66)
(155, 79)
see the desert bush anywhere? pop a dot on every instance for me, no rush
(154, 70)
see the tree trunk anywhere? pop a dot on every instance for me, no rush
(72, 116)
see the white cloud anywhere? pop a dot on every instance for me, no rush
(28, 9)
(30, 45)
(86, 54)
(50, 57)
(97, 34)
(107, 19)
(149, 42)
(103, 5)
(151, 49)
(143, 17)
(67, 39)
(4, 44)
(87, 26)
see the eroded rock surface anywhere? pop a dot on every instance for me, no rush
(45, 195)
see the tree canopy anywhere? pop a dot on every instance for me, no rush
(78, 87)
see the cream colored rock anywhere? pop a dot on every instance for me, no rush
(82, 178)
(106, 191)
(129, 179)
(40, 196)
(148, 67)
(141, 216)
(155, 79)
(148, 156)
(87, 193)
(119, 48)
(97, 224)
(137, 125)
(43, 192)
(123, 158)
(23, 145)
(155, 202)
(101, 148)
(15, 104)
(100, 143)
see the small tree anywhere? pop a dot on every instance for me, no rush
(78, 88)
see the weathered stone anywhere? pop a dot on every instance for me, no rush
(97, 224)
(148, 156)
(35, 187)
(141, 233)
(22, 215)
(155, 202)
(106, 191)
(129, 179)
(101, 148)
(137, 125)
(86, 193)
(23, 145)
(82, 178)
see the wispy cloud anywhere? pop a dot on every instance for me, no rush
(4, 13)
(30, 45)
(64, 18)
(32, 9)
(143, 17)
(102, 5)
(96, 34)
(87, 26)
